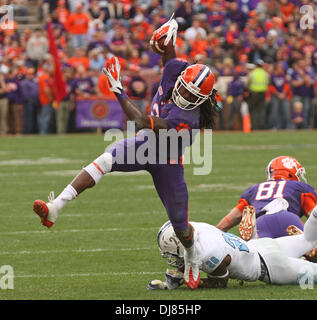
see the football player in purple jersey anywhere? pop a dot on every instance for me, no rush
(185, 100)
(274, 208)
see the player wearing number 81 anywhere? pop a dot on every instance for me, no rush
(278, 203)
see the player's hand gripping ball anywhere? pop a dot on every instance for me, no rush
(158, 46)
(164, 36)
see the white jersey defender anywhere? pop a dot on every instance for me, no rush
(275, 261)
(213, 246)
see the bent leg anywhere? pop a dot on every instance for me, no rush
(90, 175)
(294, 271)
(296, 246)
(306, 272)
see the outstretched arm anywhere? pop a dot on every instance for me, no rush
(219, 278)
(163, 40)
(132, 111)
(230, 220)
(174, 278)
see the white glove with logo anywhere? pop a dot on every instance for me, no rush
(191, 273)
(168, 29)
(112, 71)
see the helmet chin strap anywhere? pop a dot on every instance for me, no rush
(181, 102)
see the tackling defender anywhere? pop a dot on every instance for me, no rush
(223, 255)
(187, 104)
(279, 203)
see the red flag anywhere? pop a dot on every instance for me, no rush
(59, 82)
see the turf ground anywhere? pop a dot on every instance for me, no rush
(103, 245)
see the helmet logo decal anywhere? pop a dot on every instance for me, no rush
(288, 163)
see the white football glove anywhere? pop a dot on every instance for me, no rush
(191, 273)
(112, 71)
(168, 29)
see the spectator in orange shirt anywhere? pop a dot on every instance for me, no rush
(286, 9)
(140, 27)
(77, 25)
(79, 59)
(13, 51)
(199, 46)
(46, 97)
(62, 12)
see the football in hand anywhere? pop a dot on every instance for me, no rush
(158, 46)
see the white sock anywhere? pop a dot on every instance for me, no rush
(310, 227)
(68, 194)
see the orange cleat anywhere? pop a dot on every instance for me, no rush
(41, 209)
(248, 223)
(293, 230)
(46, 211)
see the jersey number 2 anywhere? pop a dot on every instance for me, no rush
(234, 241)
(270, 189)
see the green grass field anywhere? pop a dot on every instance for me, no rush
(103, 245)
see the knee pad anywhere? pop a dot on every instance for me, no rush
(100, 166)
(104, 162)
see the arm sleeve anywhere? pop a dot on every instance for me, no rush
(246, 198)
(241, 204)
(308, 202)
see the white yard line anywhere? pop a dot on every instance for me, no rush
(90, 274)
(266, 147)
(40, 161)
(74, 231)
(25, 252)
(70, 215)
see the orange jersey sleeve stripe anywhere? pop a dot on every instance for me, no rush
(152, 122)
(308, 202)
(242, 204)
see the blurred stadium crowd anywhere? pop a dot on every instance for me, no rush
(265, 63)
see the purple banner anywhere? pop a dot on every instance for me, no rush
(99, 113)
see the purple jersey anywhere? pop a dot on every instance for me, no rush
(168, 178)
(176, 117)
(172, 70)
(294, 192)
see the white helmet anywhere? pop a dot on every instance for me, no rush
(169, 245)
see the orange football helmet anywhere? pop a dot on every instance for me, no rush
(198, 80)
(285, 168)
